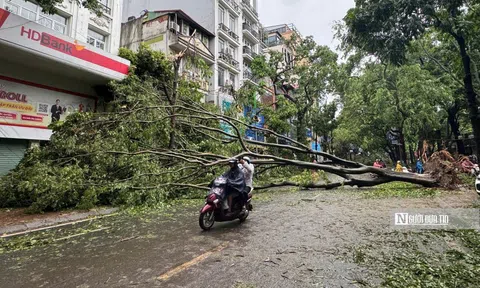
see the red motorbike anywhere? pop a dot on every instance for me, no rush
(215, 206)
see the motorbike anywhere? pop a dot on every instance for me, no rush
(216, 205)
(476, 172)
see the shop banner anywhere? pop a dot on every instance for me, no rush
(41, 40)
(29, 106)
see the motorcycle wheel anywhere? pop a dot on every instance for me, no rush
(206, 220)
(242, 219)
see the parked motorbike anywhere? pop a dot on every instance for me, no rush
(216, 206)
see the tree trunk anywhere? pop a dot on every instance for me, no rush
(173, 102)
(301, 126)
(455, 126)
(412, 155)
(438, 135)
(402, 148)
(470, 92)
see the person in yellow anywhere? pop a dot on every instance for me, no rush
(399, 167)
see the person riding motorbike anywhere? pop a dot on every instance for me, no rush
(248, 170)
(235, 182)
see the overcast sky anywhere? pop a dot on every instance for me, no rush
(311, 17)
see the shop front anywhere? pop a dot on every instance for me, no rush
(44, 77)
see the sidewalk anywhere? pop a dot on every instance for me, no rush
(16, 221)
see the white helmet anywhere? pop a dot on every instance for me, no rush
(246, 159)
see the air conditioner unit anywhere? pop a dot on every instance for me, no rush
(174, 26)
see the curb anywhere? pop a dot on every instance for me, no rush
(44, 224)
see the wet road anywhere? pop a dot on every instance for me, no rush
(301, 239)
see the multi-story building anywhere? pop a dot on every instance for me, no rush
(172, 32)
(51, 66)
(275, 40)
(235, 25)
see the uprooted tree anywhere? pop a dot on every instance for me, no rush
(125, 154)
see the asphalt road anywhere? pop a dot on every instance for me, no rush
(301, 239)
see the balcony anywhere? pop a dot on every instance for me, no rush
(203, 83)
(274, 43)
(105, 9)
(250, 33)
(228, 61)
(250, 11)
(248, 53)
(248, 76)
(228, 34)
(227, 89)
(232, 5)
(178, 42)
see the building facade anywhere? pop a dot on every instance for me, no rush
(235, 25)
(51, 66)
(172, 32)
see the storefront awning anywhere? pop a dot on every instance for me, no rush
(30, 37)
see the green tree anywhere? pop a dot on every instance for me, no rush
(390, 100)
(48, 6)
(302, 82)
(120, 156)
(324, 122)
(386, 28)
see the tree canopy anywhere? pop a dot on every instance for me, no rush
(387, 29)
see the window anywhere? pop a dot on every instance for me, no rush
(33, 12)
(96, 39)
(221, 15)
(221, 45)
(233, 52)
(205, 40)
(232, 79)
(185, 29)
(221, 77)
(233, 23)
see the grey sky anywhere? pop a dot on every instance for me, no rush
(311, 17)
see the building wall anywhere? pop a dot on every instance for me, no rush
(202, 11)
(206, 13)
(79, 20)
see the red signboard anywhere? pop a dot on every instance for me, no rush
(14, 27)
(6, 115)
(32, 118)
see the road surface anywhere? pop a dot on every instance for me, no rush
(301, 239)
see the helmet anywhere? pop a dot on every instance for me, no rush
(246, 159)
(232, 161)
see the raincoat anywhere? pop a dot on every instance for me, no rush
(419, 167)
(399, 168)
(235, 180)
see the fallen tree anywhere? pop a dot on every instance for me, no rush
(346, 169)
(134, 154)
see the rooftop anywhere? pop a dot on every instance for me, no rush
(181, 15)
(282, 28)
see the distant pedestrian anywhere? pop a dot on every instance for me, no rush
(419, 167)
(383, 163)
(399, 167)
(377, 164)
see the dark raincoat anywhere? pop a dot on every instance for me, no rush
(235, 180)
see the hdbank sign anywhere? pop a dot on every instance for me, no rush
(23, 33)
